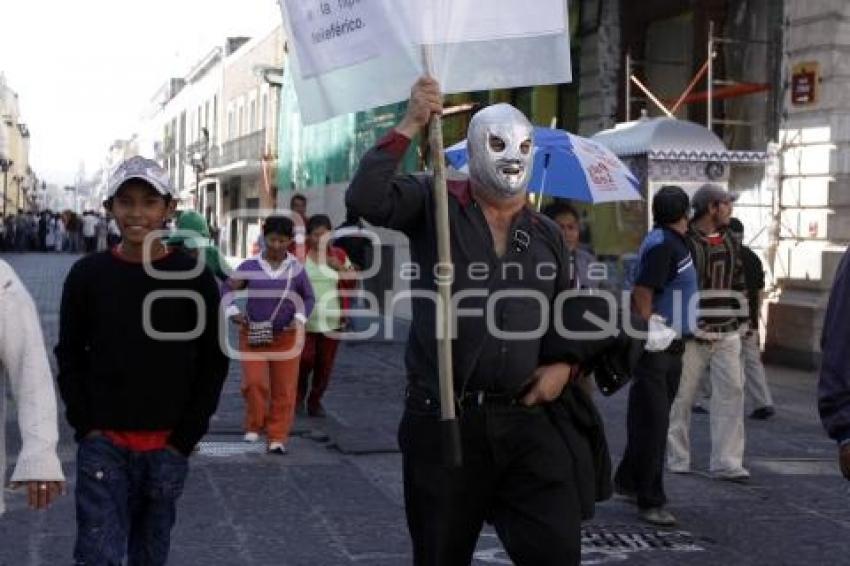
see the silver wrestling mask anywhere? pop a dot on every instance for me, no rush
(500, 142)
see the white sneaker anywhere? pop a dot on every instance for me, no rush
(251, 437)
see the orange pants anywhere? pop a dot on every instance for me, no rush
(269, 387)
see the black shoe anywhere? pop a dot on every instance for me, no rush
(627, 495)
(763, 413)
(277, 449)
(316, 411)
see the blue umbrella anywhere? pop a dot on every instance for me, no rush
(569, 166)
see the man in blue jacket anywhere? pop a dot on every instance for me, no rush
(834, 383)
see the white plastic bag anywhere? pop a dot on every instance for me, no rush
(660, 335)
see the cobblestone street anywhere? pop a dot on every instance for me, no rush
(337, 498)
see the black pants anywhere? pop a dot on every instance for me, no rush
(516, 473)
(651, 395)
(91, 244)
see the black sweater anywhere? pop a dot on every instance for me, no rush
(113, 374)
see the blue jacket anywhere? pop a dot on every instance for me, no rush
(834, 383)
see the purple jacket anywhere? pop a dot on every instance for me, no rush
(834, 383)
(261, 277)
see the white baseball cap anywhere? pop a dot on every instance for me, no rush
(141, 169)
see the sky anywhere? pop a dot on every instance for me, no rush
(86, 70)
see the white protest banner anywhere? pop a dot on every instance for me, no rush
(329, 34)
(427, 25)
(368, 52)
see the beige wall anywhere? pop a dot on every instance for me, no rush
(17, 148)
(242, 84)
(815, 189)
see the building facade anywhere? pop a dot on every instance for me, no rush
(215, 131)
(812, 227)
(18, 182)
(243, 166)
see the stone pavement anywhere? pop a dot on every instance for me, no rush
(337, 498)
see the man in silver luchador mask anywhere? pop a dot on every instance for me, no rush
(500, 145)
(517, 471)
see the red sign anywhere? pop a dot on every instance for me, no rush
(804, 84)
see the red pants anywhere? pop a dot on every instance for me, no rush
(318, 358)
(269, 388)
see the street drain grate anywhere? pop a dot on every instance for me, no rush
(604, 544)
(631, 538)
(225, 449)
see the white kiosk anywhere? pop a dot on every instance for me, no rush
(667, 151)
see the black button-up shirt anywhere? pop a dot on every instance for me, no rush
(514, 293)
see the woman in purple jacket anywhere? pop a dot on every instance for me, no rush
(280, 299)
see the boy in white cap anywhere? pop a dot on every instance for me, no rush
(140, 371)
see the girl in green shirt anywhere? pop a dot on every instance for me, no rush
(328, 269)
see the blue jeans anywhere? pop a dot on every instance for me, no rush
(126, 503)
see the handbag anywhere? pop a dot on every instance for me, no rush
(261, 333)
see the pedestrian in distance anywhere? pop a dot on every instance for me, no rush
(42, 230)
(355, 241)
(516, 471)
(328, 268)
(50, 236)
(23, 227)
(581, 262)
(356, 244)
(716, 343)
(756, 389)
(755, 379)
(89, 231)
(140, 371)
(298, 205)
(74, 227)
(23, 360)
(60, 233)
(271, 333)
(569, 220)
(665, 285)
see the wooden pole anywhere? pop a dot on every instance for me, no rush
(628, 86)
(691, 87)
(452, 454)
(709, 113)
(651, 96)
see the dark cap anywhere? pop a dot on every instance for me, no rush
(709, 194)
(670, 204)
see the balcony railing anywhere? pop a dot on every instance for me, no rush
(247, 148)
